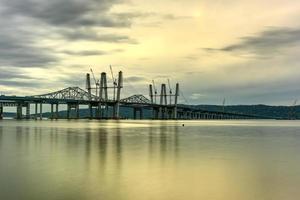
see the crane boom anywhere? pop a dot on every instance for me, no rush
(295, 102)
(114, 81)
(96, 82)
(170, 90)
(155, 91)
(169, 86)
(93, 76)
(292, 112)
(112, 74)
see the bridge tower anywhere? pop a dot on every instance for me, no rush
(89, 89)
(151, 93)
(163, 101)
(103, 95)
(88, 85)
(164, 109)
(176, 101)
(117, 103)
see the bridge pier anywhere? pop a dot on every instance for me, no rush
(155, 113)
(77, 111)
(52, 113)
(91, 111)
(141, 114)
(135, 111)
(103, 112)
(19, 111)
(163, 113)
(171, 113)
(99, 113)
(1, 111)
(188, 115)
(56, 112)
(116, 111)
(175, 112)
(41, 111)
(28, 111)
(36, 111)
(68, 111)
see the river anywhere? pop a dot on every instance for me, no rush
(149, 160)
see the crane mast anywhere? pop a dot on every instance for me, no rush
(155, 91)
(96, 82)
(223, 105)
(170, 90)
(114, 82)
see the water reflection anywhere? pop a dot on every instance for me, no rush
(150, 160)
(102, 147)
(1, 136)
(118, 148)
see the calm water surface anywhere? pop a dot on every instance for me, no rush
(157, 160)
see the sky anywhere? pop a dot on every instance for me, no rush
(244, 51)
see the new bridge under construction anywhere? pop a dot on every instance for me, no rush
(101, 105)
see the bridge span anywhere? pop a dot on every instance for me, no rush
(99, 104)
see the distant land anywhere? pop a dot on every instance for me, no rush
(282, 112)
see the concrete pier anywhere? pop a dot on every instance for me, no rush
(1, 111)
(19, 111)
(56, 111)
(52, 113)
(136, 111)
(28, 111)
(41, 111)
(36, 111)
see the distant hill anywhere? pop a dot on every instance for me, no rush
(284, 112)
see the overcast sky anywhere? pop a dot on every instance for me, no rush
(247, 51)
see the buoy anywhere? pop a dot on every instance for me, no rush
(182, 124)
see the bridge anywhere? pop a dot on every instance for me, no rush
(101, 107)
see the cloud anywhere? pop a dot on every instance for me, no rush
(16, 77)
(197, 96)
(30, 27)
(17, 83)
(90, 35)
(18, 49)
(74, 80)
(191, 57)
(133, 79)
(264, 44)
(67, 13)
(9, 73)
(85, 53)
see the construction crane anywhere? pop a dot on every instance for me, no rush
(223, 105)
(96, 82)
(170, 90)
(292, 113)
(114, 81)
(155, 91)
